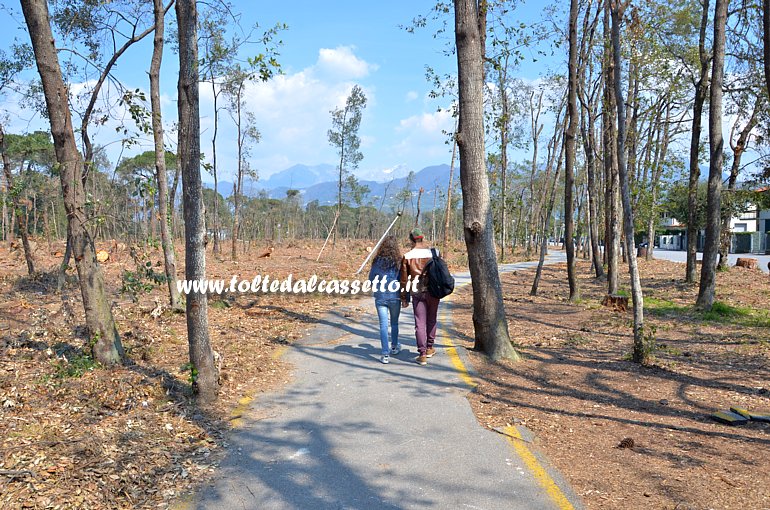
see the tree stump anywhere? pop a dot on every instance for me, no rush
(619, 303)
(747, 263)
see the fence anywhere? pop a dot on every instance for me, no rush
(750, 242)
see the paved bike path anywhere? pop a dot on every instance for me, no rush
(351, 433)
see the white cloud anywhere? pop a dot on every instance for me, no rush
(427, 123)
(422, 136)
(411, 96)
(342, 63)
(292, 112)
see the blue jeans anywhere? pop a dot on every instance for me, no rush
(385, 308)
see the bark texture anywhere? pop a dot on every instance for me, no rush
(701, 91)
(201, 355)
(107, 348)
(716, 159)
(489, 320)
(640, 354)
(169, 258)
(611, 177)
(570, 147)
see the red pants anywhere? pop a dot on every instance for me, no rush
(425, 309)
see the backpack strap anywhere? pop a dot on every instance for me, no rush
(433, 252)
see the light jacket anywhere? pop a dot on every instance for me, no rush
(413, 264)
(384, 268)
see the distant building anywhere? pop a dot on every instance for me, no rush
(750, 232)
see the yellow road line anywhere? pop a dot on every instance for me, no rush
(514, 436)
(541, 475)
(457, 363)
(454, 356)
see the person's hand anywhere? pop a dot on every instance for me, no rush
(404, 304)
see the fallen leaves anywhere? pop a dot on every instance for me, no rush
(130, 437)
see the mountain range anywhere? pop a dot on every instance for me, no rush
(320, 183)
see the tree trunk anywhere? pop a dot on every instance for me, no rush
(503, 154)
(537, 128)
(16, 206)
(641, 353)
(716, 158)
(589, 142)
(172, 202)
(546, 220)
(570, 148)
(417, 216)
(489, 320)
(237, 186)
(658, 165)
(738, 148)
(701, 90)
(448, 215)
(214, 92)
(107, 348)
(161, 176)
(341, 174)
(611, 199)
(201, 355)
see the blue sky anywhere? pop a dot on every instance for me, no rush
(327, 49)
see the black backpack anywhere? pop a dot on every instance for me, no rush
(440, 281)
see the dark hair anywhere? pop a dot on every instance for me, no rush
(389, 252)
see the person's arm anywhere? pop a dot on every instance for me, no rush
(371, 271)
(403, 276)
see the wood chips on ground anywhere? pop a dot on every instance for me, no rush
(75, 436)
(579, 394)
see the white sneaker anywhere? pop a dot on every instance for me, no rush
(385, 359)
(395, 350)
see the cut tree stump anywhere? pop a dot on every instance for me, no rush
(747, 263)
(619, 303)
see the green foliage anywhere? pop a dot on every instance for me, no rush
(75, 366)
(34, 149)
(135, 101)
(19, 59)
(143, 278)
(356, 191)
(739, 315)
(266, 64)
(193, 377)
(675, 203)
(139, 173)
(649, 342)
(223, 211)
(663, 307)
(343, 135)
